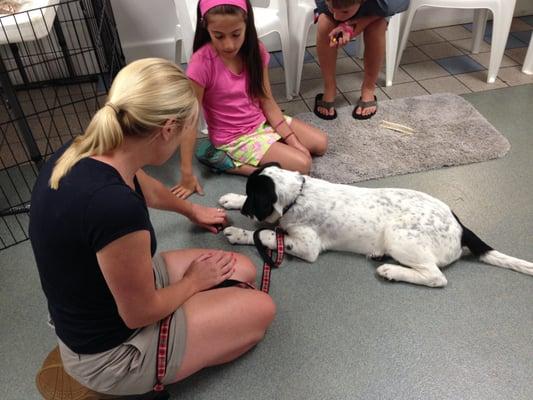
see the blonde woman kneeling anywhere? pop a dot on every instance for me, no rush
(95, 247)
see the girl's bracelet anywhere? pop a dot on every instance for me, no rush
(279, 123)
(288, 136)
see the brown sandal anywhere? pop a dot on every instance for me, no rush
(319, 102)
(363, 105)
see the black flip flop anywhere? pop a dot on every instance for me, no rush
(363, 105)
(325, 104)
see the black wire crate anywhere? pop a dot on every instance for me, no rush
(57, 61)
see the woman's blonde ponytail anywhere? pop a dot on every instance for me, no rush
(103, 134)
(144, 95)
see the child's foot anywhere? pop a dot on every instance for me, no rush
(324, 109)
(366, 107)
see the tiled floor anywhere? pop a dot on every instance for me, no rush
(436, 60)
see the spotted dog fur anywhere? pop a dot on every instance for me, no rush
(420, 232)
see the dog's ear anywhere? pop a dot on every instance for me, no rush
(260, 197)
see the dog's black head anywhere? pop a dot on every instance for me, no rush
(260, 194)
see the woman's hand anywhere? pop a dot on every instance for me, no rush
(212, 219)
(294, 142)
(188, 185)
(210, 269)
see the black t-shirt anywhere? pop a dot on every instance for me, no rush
(92, 207)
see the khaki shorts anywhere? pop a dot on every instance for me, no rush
(131, 367)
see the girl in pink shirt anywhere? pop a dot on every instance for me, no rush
(229, 71)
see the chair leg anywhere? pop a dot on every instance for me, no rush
(478, 28)
(391, 48)
(528, 62)
(410, 14)
(500, 31)
(287, 65)
(360, 47)
(302, 32)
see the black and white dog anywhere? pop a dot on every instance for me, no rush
(415, 229)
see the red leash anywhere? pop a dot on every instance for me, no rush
(161, 361)
(266, 255)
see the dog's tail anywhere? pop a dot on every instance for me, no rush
(490, 256)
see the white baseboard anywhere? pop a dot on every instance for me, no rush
(164, 48)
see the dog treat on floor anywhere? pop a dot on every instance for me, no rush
(397, 127)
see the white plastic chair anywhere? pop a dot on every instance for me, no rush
(527, 68)
(301, 18)
(502, 12)
(186, 13)
(271, 19)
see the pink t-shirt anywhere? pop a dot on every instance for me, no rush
(228, 109)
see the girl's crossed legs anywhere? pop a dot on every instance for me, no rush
(313, 139)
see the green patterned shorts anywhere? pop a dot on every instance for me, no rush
(252, 147)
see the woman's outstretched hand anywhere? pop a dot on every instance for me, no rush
(212, 219)
(188, 185)
(210, 269)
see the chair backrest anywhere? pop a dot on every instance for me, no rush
(186, 12)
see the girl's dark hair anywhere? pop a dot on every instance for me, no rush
(343, 3)
(249, 50)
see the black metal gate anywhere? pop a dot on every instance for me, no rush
(56, 66)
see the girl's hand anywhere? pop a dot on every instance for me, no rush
(212, 219)
(188, 185)
(338, 37)
(210, 269)
(294, 142)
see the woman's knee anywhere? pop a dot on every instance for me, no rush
(263, 310)
(246, 270)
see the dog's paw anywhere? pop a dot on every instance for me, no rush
(387, 271)
(237, 235)
(232, 201)
(376, 256)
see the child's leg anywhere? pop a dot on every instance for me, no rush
(244, 169)
(262, 147)
(312, 138)
(327, 58)
(288, 157)
(374, 36)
